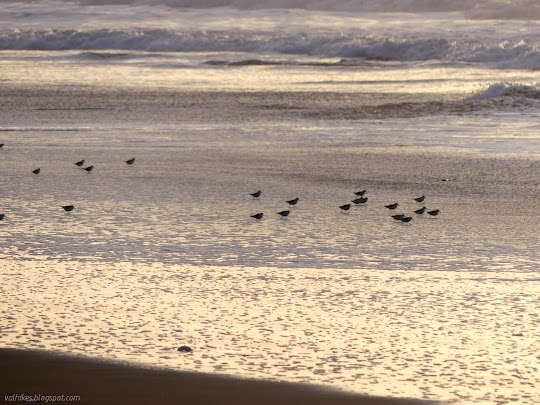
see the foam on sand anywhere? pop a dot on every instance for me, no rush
(435, 335)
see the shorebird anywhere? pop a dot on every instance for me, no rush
(80, 163)
(256, 194)
(284, 213)
(360, 193)
(433, 213)
(420, 199)
(36, 171)
(361, 200)
(293, 202)
(392, 206)
(1, 215)
(398, 217)
(257, 216)
(1, 145)
(68, 207)
(130, 161)
(345, 207)
(89, 168)
(420, 211)
(406, 219)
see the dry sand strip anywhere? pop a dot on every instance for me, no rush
(105, 382)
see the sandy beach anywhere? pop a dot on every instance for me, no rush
(94, 381)
(155, 124)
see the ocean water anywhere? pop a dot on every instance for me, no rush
(308, 99)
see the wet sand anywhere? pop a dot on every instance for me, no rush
(432, 335)
(164, 252)
(105, 382)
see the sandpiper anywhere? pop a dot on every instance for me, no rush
(406, 219)
(392, 206)
(434, 212)
(256, 194)
(284, 213)
(361, 200)
(293, 202)
(398, 217)
(80, 163)
(130, 161)
(345, 207)
(89, 168)
(420, 199)
(420, 211)
(36, 171)
(68, 207)
(257, 216)
(360, 193)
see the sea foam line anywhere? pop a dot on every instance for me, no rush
(516, 54)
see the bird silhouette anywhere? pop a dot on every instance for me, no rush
(80, 163)
(361, 193)
(36, 171)
(361, 200)
(420, 211)
(89, 168)
(256, 194)
(68, 207)
(1, 145)
(345, 207)
(2, 216)
(257, 216)
(130, 161)
(284, 213)
(420, 199)
(293, 202)
(392, 206)
(406, 219)
(434, 212)
(398, 217)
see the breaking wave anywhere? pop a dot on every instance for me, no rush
(504, 97)
(508, 54)
(517, 92)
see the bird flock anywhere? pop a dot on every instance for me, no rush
(80, 164)
(360, 200)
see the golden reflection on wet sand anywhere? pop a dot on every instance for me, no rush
(431, 335)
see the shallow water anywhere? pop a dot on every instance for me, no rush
(192, 205)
